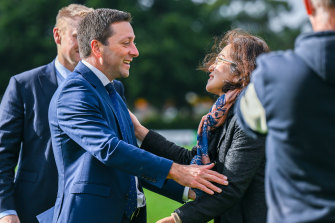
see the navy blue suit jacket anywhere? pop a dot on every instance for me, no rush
(94, 163)
(25, 141)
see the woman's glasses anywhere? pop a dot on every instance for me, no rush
(220, 59)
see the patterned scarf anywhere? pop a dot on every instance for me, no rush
(214, 119)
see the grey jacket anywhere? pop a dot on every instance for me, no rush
(296, 89)
(238, 157)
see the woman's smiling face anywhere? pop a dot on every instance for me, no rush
(220, 72)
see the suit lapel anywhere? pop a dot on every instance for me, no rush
(97, 84)
(223, 134)
(48, 80)
(224, 130)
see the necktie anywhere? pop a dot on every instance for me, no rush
(132, 194)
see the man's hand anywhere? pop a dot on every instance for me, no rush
(166, 220)
(10, 219)
(195, 176)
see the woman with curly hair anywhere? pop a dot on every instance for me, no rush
(221, 140)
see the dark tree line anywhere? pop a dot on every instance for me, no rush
(172, 37)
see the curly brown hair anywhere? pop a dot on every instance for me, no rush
(244, 50)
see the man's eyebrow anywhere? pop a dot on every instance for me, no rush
(128, 38)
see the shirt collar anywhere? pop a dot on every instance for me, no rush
(97, 72)
(63, 71)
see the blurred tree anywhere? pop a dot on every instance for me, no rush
(172, 37)
(26, 35)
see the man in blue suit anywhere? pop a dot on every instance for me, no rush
(24, 128)
(93, 137)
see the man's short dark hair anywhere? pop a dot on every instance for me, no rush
(96, 26)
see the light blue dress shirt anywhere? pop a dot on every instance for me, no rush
(61, 72)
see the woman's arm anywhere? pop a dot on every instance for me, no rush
(158, 145)
(245, 156)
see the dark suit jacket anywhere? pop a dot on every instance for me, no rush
(94, 164)
(237, 156)
(25, 142)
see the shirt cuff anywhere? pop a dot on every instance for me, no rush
(185, 194)
(8, 212)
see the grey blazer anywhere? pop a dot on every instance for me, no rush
(238, 157)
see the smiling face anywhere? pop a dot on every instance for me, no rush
(220, 72)
(119, 51)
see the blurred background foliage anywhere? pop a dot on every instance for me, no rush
(164, 88)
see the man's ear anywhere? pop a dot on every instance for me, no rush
(309, 7)
(96, 47)
(57, 37)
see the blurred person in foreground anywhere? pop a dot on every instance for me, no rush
(221, 140)
(93, 139)
(291, 98)
(24, 128)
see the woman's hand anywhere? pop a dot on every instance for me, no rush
(140, 130)
(11, 219)
(191, 194)
(166, 220)
(174, 218)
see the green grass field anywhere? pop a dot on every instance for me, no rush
(158, 206)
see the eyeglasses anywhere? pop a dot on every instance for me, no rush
(220, 59)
